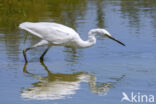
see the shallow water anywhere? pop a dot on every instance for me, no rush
(97, 75)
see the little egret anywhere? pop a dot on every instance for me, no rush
(53, 34)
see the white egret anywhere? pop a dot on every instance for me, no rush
(53, 34)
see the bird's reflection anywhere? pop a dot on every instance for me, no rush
(61, 86)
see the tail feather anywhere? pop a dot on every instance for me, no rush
(27, 26)
(23, 25)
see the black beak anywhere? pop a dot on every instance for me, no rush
(110, 37)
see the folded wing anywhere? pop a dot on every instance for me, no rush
(52, 32)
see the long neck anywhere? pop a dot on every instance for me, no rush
(88, 43)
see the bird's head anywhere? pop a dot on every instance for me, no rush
(103, 32)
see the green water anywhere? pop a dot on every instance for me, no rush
(96, 75)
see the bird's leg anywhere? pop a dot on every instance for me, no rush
(41, 43)
(25, 67)
(24, 54)
(42, 56)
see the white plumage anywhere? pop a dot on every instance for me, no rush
(56, 34)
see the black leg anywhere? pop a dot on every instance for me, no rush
(42, 56)
(24, 54)
(25, 67)
(41, 43)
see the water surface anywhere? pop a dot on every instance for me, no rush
(97, 75)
